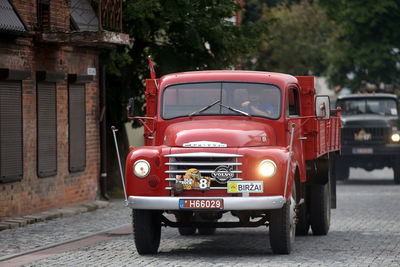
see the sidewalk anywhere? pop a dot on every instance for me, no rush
(62, 225)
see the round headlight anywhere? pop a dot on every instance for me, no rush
(267, 168)
(141, 168)
(395, 137)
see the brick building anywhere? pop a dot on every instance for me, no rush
(50, 101)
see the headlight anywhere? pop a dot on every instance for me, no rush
(395, 137)
(141, 168)
(267, 168)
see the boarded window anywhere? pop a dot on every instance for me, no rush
(77, 127)
(46, 129)
(11, 159)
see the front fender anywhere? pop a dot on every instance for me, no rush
(152, 184)
(275, 185)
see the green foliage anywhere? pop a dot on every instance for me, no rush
(298, 40)
(176, 34)
(368, 45)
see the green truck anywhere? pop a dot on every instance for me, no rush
(370, 133)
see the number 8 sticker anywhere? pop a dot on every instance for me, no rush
(203, 183)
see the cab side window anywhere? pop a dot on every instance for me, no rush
(293, 106)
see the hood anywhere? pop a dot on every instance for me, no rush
(219, 133)
(368, 120)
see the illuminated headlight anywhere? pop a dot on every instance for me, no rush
(141, 168)
(395, 137)
(267, 168)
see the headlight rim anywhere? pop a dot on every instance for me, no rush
(141, 161)
(270, 161)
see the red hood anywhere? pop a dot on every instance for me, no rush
(228, 133)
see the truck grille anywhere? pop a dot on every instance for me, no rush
(364, 136)
(205, 163)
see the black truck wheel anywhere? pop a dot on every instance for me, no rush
(146, 230)
(320, 209)
(185, 217)
(396, 172)
(303, 223)
(342, 171)
(282, 226)
(187, 230)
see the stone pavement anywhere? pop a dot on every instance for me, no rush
(365, 231)
(64, 227)
(11, 223)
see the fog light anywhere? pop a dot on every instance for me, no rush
(396, 137)
(267, 168)
(141, 168)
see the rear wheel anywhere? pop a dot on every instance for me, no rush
(146, 230)
(282, 226)
(303, 223)
(320, 209)
(185, 217)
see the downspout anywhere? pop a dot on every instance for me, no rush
(103, 131)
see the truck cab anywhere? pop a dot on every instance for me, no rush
(370, 133)
(213, 147)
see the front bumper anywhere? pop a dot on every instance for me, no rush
(230, 203)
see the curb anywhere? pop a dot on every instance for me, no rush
(12, 223)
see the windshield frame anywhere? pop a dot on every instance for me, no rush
(365, 100)
(216, 115)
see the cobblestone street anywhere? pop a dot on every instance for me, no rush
(365, 231)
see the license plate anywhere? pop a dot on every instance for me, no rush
(198, 204)
(363, 150)
(245, 187)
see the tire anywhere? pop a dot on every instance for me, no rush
(282, 226)
(187, 230)
(320, 209)
(396, 172)
(207, 231)
(303, 223)
(146, 230)
(342, 171)
(185, 217)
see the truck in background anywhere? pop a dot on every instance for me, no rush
(370, 133)
(207, 153)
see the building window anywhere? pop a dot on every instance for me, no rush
(43, 14)
(11, 158)
(46, 129)
(77, 126)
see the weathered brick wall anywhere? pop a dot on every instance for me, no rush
(33, 194)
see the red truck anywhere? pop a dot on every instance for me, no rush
(255, 144)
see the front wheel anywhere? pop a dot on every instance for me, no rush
(282, 226)
(146, 230)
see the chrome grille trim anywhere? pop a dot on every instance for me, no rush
(205, 163)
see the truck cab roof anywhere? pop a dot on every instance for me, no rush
(279, 79)
(358, 96)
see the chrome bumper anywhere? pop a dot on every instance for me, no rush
(230, 203)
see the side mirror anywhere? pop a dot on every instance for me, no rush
(322, 107)
(130, 108)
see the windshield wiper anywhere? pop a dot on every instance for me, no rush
(235, 110)
(204, 109)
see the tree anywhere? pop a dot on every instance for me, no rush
(298, 40)
(180, 35)
(368, 46)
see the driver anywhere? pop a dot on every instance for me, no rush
(256, 106)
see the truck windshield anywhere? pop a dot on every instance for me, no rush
(379, 106)
(255, 99)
